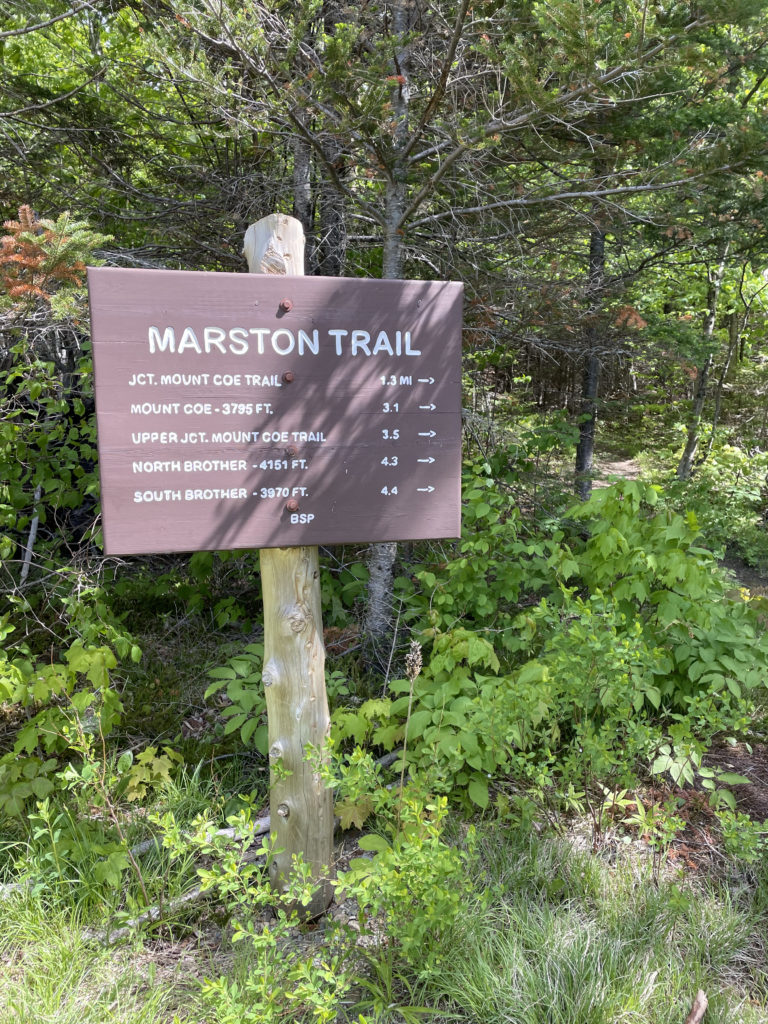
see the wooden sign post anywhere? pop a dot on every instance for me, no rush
(275, 411)
(300, 804)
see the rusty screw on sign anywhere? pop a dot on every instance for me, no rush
(286, 305)
(291, 451)
(288, 376)
(292, 505)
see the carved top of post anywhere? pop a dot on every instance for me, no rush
(275, 245)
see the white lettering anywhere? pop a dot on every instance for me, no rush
(152, 437)
(169, 466)
(291, 341)
(259, 332)
(313, 343)
(238, 337)
(408, 350)
(238, 436)
(154, 408)
(215, 493)
(360, 339)
(214, 465)
(168, 340)
(146, 496)
(213, 337)
(382, 344)
(338, 334)
(189, 340)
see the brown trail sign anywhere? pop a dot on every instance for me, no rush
(238, 411)
(278, 412)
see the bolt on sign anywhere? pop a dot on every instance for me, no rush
(248, 411)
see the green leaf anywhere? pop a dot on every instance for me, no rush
(233, 724)
(248, 729)
(42, 787)
(353, 813)
(478, 791)
(260, 739)
(418, 723)
(223, 672)
(243, 667)
(373, 843)
(733, 779)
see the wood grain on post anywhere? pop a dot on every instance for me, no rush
(301, 807)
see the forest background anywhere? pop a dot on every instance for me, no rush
(578, 668)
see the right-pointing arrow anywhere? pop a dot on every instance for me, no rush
(428, 433)
(428, 490)
(430, 460)
(425, 380)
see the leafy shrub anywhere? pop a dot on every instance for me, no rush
(415, 882)
(493, 566)
(651, 566)
(727, 495)
(241, 680)
(48, 696)
(576, 689)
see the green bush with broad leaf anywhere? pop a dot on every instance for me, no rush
(728, 495)
(635, 644)
(48, 697)
(240, 679)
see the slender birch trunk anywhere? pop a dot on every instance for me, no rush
(585, 449)
(734, 337)
(714, 284)
(302, 198)
(382, 557)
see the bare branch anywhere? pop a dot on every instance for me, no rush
(589, 194)
(439, 92)
(50, 103)
(51, 21)
(525, 116)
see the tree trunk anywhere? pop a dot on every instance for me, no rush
(590, 382)
(300, 805)
(585, 448)
(302, 199)
(332, 235)
(715, 280)
(734, 336)
(382, 557)
(332, 244)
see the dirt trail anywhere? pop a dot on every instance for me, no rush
(607, 471)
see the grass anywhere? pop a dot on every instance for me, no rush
(53, 975)
(568, 939)
(548, 934)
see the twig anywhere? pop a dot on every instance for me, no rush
(392, 648)
(162, 910)
(698, 1009)
(45, 24)
(152, 914)
(261, 827)
(32, 537)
